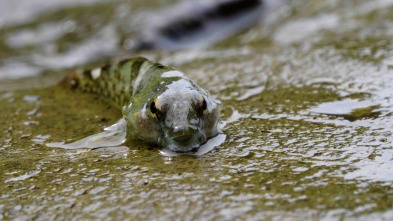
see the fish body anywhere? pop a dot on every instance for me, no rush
(160, 104)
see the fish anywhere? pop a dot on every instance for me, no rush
(160, 104)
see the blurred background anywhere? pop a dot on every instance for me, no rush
(41, 35)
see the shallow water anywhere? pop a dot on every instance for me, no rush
(307, 118)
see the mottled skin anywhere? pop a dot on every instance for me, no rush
(160, 103)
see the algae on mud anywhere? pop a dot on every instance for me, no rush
(281, 160)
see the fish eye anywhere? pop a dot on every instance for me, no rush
(155, 111)
(204, 104)
(153, 108)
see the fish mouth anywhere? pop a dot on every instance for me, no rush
(184, 143)
(184, 139)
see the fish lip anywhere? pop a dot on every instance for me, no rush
(189, 150)
(184, 143)
(179, 129)
(183, 138)
(199, 140)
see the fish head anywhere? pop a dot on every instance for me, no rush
(180, 119)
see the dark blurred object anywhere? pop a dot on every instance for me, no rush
(195, 24)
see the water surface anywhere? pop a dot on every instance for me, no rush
(307, 118)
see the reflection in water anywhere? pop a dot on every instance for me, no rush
(205, 148)
(349, 109)
(114, 135)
